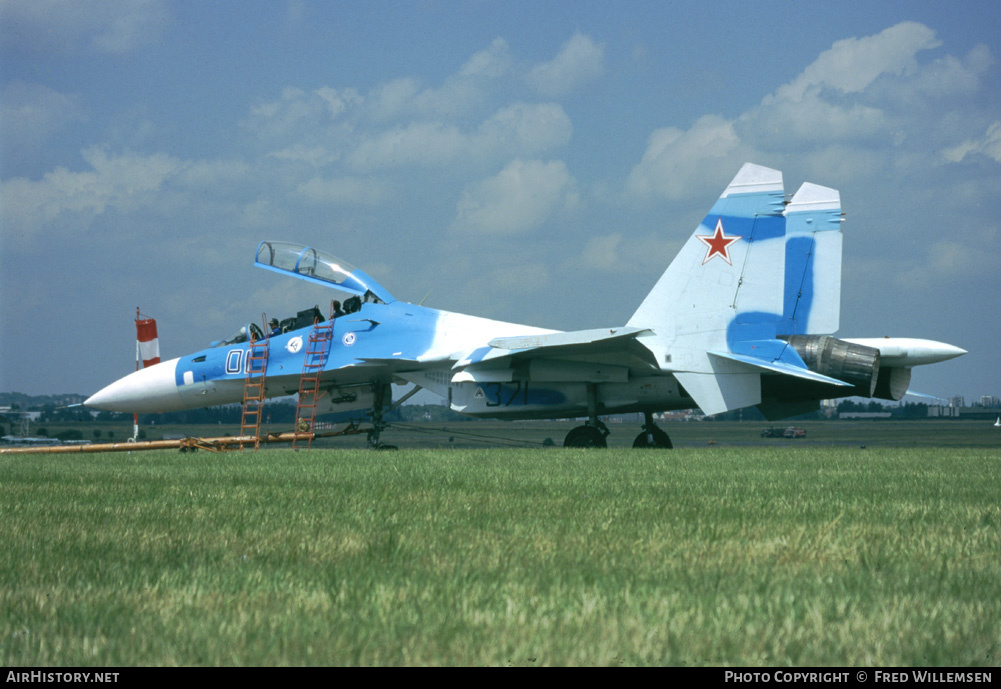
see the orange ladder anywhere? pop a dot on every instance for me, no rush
(253, 388)
(317, 349)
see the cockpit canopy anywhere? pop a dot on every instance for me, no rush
(241, 335)
(307, 263)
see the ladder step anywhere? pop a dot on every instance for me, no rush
(314, 359)
(254, 390)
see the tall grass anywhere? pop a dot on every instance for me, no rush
(716, 556)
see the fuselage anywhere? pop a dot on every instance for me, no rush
(743, 316)
(398, 342)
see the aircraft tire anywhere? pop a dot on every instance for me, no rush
(585, 436)
(660, 440)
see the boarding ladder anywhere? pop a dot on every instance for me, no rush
(317, 349)
(253, 387)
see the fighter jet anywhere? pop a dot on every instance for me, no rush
(744, 316)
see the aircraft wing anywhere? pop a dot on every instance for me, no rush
(600, 340)
(603, 354)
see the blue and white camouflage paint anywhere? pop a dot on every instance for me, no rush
(754, 290)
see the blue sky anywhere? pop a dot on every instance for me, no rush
(538, 162)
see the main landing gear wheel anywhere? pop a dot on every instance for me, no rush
(653, 438)
(585, 436)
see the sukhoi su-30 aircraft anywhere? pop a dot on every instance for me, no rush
(742, 317)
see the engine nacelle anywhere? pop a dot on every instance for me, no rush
(829, 356)
(892, 383)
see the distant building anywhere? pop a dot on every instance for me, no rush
(957, 401)
(989, 401)
(20, 414)
(977, 413)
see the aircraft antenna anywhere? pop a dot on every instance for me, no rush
(426, 297)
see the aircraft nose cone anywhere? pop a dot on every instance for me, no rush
(152, 389)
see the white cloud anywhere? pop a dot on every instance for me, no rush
(782, 124)
(852, 64)
(579, 61)
(944, 77)
(492, 63)
(393, 99)
(459, 95)
(400, 123)
(600, 252)
(989, 145)
(515, 130)
(832, 99)
(338, 102)
(847, 105)
(946, 259)
(312, 155)
(111, 26)
(523, 129)
(211, 174)
(675, 161)
(420, 143)
(302, 114)
(521, 197)
(263, 214)
(519, 279)
(32, 113)
(342, 190)
(630, 255)
(124, 182)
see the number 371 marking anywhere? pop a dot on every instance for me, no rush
(496, 393)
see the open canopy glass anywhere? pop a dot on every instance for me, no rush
(310, 264)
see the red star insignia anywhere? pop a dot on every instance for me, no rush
(718, 244)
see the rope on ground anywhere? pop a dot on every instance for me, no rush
(497, 440)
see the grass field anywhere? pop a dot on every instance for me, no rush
(778, 554)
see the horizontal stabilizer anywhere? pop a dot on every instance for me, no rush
(781, 368)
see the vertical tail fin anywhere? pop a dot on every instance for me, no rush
(755, 269)
(700, 290)
(812, 299)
